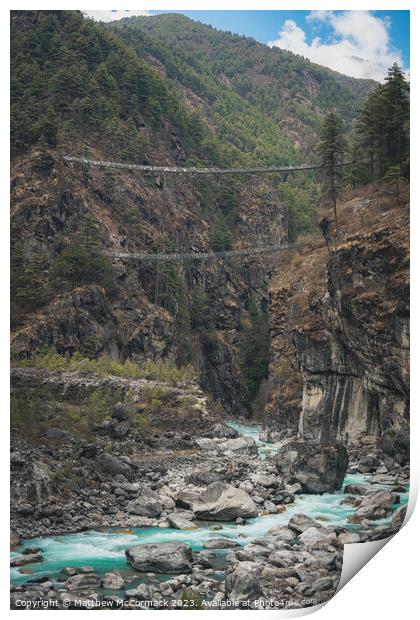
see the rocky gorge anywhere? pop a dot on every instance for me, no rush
(208, 429)
(180, 509)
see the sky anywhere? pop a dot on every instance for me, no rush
(361, 44)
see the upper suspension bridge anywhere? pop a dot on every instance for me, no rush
(191, 169)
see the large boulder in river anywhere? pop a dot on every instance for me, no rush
(242, 585)
(222, 502)
(375, 506)
(223, 431)
(240, 445)
(170, 557)
(319, 468)
(148, 504)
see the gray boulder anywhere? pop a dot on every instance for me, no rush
(222, 502)
(301, 522)
(221, 543)
(319, 468)
(242, 585)
(221, 430)
(314, 536)
(83, 581)
(113, 581)
(399, 516)
(186, 498)
(30, 558)
(120, 412)
(180, 523)
(171, 557)
(109, 464)
(240, 445)
(376, 506)
(368, 464)
(148, 504)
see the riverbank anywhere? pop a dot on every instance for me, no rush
(220, 548)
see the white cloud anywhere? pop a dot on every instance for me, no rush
(359, 44)
(111, 16)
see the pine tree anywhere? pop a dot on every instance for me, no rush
(28, 286)
(331, 150)
(82, 262)
(383, 124)
(396, 112)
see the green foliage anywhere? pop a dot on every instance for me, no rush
(254, 350)
(82, 261)
(383, 124)
(251, 91)
(71, 78)
(222, 236)
(42, 162)
(202, 318)
(36, 410)
(300, 198)
(28, 282)
(106, 366)
(332, 150)
(394, 176)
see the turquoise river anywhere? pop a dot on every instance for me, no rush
(104, 550)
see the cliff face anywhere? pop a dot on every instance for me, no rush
(345, 313)
(139, 214)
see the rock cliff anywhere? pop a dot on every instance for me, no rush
(340, 330)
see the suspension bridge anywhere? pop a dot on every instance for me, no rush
(195, 256)
(190, 170)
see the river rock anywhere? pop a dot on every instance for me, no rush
(186, 497)
(21, 560)
(399, 516)
(282, 532)
(180, 523)
(148, 504)
(356, 489)
(348, 538)
(368, 464)
(320, 468)
(314, 536)
(242, 586)
(113, 581)
(240, 445)
(222, 502)
(170, 557)
(223, 431)
(83, 581)
(376, 506)
(221, 543)
(301, 522)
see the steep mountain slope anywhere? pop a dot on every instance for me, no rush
(244, 87)
(79, 88)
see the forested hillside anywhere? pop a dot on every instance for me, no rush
(246, 88)
(156, 90)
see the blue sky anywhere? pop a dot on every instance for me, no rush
(358, 43)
